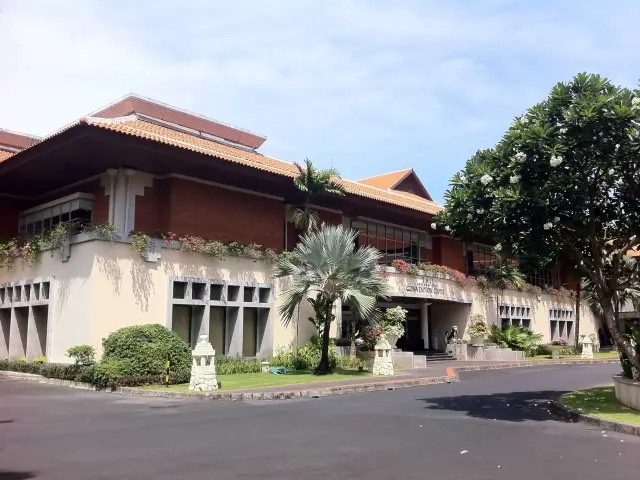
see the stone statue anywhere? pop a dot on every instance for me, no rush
(382, 362)
(450, 339)
(203, 369)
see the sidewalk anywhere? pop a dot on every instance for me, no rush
(445, 372)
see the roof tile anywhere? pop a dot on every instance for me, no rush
(386, 180)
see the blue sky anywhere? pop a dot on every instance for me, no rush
(365, 86)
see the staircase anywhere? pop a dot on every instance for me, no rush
(422, 357)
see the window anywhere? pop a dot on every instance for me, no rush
(543, 277)
(393, 242)
(515, 315)
(561, 324)
(479, 259)
(76, 208)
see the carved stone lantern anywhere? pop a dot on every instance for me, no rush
(382, 362)
(587, 347)
(203, 368)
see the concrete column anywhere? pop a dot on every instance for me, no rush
(234, 327)
(5, 328)
(36, 332)
(265, 332)
(18, 334)
(424, 323)
(122, 186)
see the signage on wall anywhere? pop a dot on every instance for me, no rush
(430, 288)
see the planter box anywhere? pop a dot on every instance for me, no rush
(627, 391)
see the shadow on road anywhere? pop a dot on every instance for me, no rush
(5, 475)
(510, 407)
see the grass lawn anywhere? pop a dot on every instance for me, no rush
(245, 381)
(576, 357)
(601, 402)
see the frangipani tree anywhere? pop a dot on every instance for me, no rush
(326, 263)
(562, 184)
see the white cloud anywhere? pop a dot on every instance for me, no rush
(368, 85)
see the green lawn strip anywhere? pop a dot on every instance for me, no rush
(244, 381)
(576, 357)
(601, 402)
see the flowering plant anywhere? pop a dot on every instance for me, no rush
(477, 326)
(401, 266)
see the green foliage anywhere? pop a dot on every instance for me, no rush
(354, 363)
(516, 338)
(543, 350)
(21, 359)
(140, 243)
(393, 321)
(82, 354)
(307, 358)
(313, 182)
(477, 326)
(144, 349)
(326, 262)
(227, 365)
(107, 373)
(320, 305)
(562, 185)
(104, 231)
(39, 360)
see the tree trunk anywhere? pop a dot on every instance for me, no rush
(324, 368)
(353, 351)
(577, 331)
(624, 344)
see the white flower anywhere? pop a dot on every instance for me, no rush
(524, 120)
(520, 157)
(563, 131)
(514, 179)
(635, 102)
(498, 247)
(611, 171)
(547, 226)
(617, 146)
(434, 226)
(557, 219)
(447, 228)
(463, 179)
(486, 179)
(470, 216)
(480, 211)
(555, 160)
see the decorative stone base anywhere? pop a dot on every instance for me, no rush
(383, 368)
(203, 383)
(627, 391)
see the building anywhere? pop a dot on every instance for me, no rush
(148, 167)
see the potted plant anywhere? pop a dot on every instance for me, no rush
(478, 330)
(393, 323)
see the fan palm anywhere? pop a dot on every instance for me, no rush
(327, 263)
(313, 182)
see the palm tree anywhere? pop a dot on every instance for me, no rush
(313, 182)
(327, 263)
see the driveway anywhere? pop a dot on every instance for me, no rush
(492, 425)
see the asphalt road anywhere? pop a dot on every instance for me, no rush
(499, 420)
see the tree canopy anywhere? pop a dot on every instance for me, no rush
(562, 185)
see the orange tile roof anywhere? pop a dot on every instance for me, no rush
(142, 129)
(633, 253)
(386, 180)
(4, 155)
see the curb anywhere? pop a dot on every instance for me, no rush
(451, 377)
(292, 394)
(611, 425)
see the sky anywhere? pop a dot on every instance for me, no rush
(367, 87)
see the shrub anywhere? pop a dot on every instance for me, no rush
(311, 353)
(346, 362)
(477, 326)
(144, 350)
(41, 359)
(543, 350)
(82, 354)
(559, 342)
(516, 338)
(571, 350)
(21, 359)
(228, 365)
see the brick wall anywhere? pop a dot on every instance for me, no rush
(9, 218)
(186, 207)
(449, 252)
